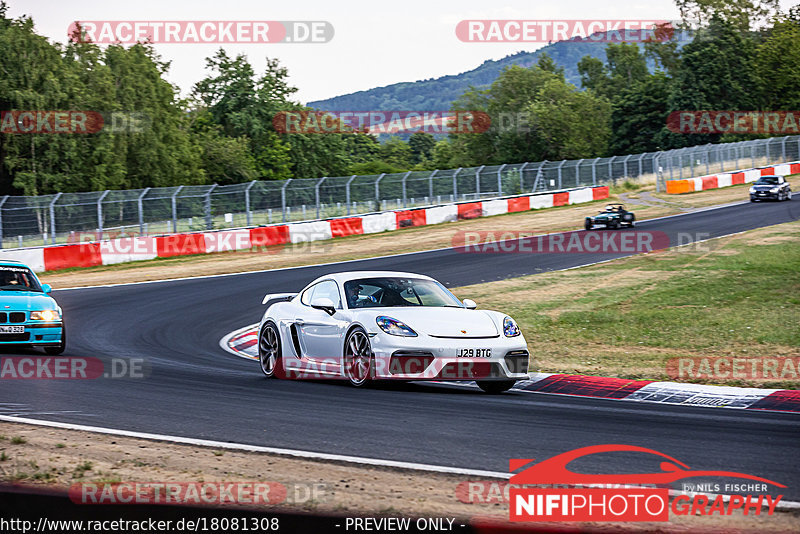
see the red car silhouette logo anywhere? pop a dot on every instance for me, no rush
(554, 470)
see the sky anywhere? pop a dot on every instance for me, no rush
(374, 44)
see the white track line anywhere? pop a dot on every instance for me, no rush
(256, 448)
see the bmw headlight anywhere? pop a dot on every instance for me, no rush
(773, 190)
(752, 190)
(394, 327)
(45, 315)
(510, 328)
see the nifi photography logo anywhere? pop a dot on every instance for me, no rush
(626, 497)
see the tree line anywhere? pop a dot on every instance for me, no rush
(223, 133)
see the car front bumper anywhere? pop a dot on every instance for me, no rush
(764, 195)
(433, 358)
(34, 334)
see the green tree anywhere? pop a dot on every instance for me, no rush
(777, 65)
(421, 145)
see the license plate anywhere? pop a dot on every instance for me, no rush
(473, 353)
(12, 329)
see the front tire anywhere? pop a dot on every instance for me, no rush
(587, 224)
(61, 347)
(359, 361)
(269, 350)
(495, 387)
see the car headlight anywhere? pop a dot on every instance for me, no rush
(773, 190)
(752, 190)
(510, 328)
(394, 327)
(45, 315)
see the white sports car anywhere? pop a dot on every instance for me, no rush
(375, 325)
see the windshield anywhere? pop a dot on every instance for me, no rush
(394, 292)
(767, 180)
(18, 279)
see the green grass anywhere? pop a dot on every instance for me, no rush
(733, 297)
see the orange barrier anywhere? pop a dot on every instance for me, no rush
(676, 187)
(710, 182)
(348, 226)
(410, 218)
(561, 199)
(519, 204)
(66, 256)
(180, 245)
(599, 193)
(265, 236)
(470, 210)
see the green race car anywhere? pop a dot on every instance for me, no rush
(614, 216)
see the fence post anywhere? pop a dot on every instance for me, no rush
(560, 184)
(641, 157)
(455, 184)
(403, 182)
(708, 149)
(247, 202)
(53, 218)
(140, 206)
(578, 173)
(783, 154)
(611, 170)
(207, 208)
(347, 192)
(316, 192)
(500, 179)
(478, 182)
(655, 170)
(594, 171)
(100, 212)
(3, 201)
(522, 176)
(175, 210)
(752, 155)
(431, 183)
(283, 199)
(378, 191)
(625, 165)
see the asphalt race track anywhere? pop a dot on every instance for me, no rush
(195, 389)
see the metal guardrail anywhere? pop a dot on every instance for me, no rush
(67, 217)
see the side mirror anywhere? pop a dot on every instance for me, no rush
(325, 304)
(469, 304)
(47, 288)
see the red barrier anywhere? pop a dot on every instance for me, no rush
(561, 199)
(710, 182)
(470, 210)
(265, 236)
(180, 245)
(519, 204)
(348, 226)
(64, 257)
(410, 218)
(599, 193)
(737, 178)
(768, 171)
(795, 168)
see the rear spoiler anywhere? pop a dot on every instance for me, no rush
(278, 296)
